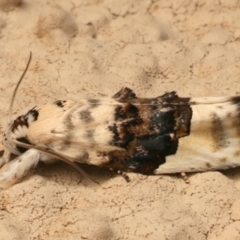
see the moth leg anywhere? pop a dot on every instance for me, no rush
(13, 171)
(185, 177)
(124, 93)
(124, 175)
(5, 158)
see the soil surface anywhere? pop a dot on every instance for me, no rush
(92, 48)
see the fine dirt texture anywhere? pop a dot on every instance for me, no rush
(92, 48)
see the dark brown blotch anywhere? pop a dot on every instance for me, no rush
(208, 165)
(235, 100)
(163, 144)
(218, 132)
(229, 115)
(85, 116)
(60, 103)
(67, 142)
(90, 135)
(1, 153)
(68, 122)
(126, 111)
(121, 135)
(223, 160)
(237, 153)
(93, 102)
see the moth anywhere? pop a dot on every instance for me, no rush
(161, 135)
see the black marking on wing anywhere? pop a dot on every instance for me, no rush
(162, 121)
(126, 111)
(168, 97)
(23, 120)
(161, 143)
(19, 121)
(149, 130)
(1, 153)
(140, 161)
(121, 135)
(34, 113)
(126, 117)
(235, 100)
(23, 140)
(60, 103)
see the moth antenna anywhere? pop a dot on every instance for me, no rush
(56, 155)
(16, 88)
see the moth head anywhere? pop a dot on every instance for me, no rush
(17, 131)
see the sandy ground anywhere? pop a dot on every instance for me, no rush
(92, 48)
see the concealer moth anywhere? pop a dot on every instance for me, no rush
(161, 135)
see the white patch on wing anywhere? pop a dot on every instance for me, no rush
(203, 149)
(210, 100)
(20, 131)
(30, 118)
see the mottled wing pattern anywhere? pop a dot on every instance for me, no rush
(148, 130)
(214, 139)
(161, 135)
(124, 132)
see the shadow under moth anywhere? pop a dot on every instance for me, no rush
(162, 135)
